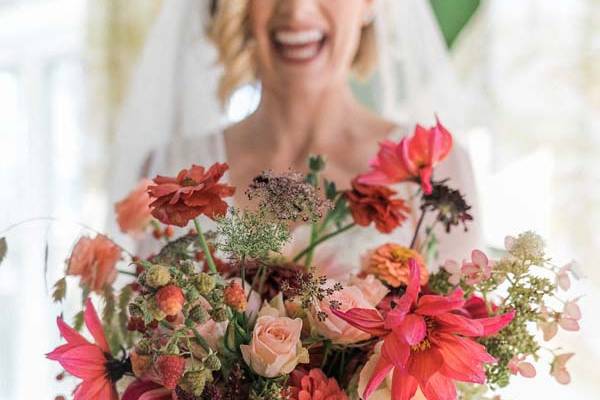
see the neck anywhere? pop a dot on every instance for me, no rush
(295, 124)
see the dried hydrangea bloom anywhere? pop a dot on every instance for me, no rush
(288, 196)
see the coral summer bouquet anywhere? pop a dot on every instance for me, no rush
(222, 311)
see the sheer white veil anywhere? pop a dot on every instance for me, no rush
(173, 89)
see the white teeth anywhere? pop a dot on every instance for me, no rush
(301, 54)
(296, 38)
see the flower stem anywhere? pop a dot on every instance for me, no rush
(120, 271)
(417, 229)
(205, 249)
(321, 240)
(314, 234)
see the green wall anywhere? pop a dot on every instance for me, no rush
(453, 16)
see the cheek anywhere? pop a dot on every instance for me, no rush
(260, 13)
(346, 20)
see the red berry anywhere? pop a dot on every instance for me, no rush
(168, 232)
(170, 369)
(157, 233)
(170, 299)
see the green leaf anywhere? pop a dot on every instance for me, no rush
(60, 290)
(109, 305)
(3, 249)
(78, 321)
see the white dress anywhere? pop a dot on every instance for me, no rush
(347, 248)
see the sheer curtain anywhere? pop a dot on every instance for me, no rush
(532, 72)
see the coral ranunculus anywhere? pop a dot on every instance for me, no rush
(194, 192)
(94, 261)
(315, 385)
(373, 203)
(427, 343)
(413, 159)
(389, 263)
(133, 212)
(90, 362)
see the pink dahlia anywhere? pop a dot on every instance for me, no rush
(91, 362)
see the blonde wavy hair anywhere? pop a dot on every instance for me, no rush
(229, 30)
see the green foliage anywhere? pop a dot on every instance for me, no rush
(78, 321)
(438, 282)
(59, 290)
(526, 294)
(268, 389)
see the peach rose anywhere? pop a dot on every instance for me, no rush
(275, 348)
(133, 212)
(371, 287)
(94, 261)
(389, 263)
(335, 328)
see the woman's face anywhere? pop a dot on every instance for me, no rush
(306, 44)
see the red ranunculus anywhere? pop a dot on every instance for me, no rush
(413, 159)
(373, 203)
(194, 192)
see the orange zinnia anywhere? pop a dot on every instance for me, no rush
(389, 263)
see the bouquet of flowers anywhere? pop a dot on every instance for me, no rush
(227, 313)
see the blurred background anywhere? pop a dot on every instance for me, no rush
(533, 67)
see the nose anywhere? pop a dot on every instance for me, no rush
(296, 11)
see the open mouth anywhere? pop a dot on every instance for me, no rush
(298, 46)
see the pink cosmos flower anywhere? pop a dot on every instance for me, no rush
(559, 369)
(427, 342)
(413, 159)
(91, 362)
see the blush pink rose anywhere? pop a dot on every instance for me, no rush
(335, 328)
(275, 348)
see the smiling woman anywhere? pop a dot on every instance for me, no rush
(232, 28)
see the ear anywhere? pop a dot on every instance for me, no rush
(369, 11)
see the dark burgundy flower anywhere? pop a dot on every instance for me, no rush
(195, 191)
